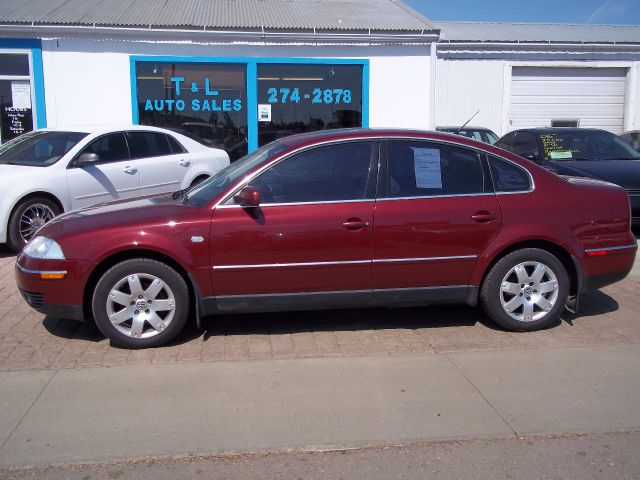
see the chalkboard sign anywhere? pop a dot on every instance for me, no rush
(15, 122)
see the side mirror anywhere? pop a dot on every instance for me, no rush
(87, 159)
(248, 197)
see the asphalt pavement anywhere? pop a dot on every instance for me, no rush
(584, 457)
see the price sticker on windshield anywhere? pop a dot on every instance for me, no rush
(559, 155)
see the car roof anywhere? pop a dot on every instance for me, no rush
(465, 128)
(346, 133)
(558, 129)
(106, 128)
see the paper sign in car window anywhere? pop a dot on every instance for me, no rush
(560, 155)
(427, 167)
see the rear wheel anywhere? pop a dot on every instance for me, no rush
(140, 303)
(198, 180)
(27, 217)
(526, 290)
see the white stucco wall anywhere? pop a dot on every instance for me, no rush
(89, 81)
(400, 92)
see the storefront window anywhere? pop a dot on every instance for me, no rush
(295, 98)
(16, 109)
(204, 100)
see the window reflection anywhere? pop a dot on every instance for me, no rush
(303, 98)
(205, 101)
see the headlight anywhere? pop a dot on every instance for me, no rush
(43, 247)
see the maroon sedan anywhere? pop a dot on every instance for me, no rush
(333, 219)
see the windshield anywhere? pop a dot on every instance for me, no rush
(586, 145)
(39, 148)
(210, 189)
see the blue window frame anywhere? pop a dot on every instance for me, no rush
(249, 104)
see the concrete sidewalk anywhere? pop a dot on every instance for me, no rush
(102, 414)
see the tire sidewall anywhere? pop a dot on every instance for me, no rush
(14, 240)
(140, 266)
(490, 293)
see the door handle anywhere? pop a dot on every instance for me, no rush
(184, 163)
(354, 224)
(483, 216)
(129, 169)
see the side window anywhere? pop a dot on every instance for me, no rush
(508, 177)
(525, 144)
(109, 148)
(323, 174)
(506, 142)
(148, 144)
(176, 146)
(422, 169)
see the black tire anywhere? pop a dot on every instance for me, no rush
(140, 323)
(39, 210)
(505, 288)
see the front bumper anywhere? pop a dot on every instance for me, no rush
(56, 297)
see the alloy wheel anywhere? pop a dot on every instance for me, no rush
(529, 291)
(141, 305)
(34, 217)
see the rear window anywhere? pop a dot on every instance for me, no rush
(585, 145)
(176, 146)
(508, 177)
(148, 144)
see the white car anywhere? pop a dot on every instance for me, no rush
(46, 172)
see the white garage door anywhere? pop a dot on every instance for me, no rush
(592, 96)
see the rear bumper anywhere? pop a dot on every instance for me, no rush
(607, 265)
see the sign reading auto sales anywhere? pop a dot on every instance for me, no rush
(206, 99)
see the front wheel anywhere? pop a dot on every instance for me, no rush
(526, 290)
(27, 217)
(140, 303)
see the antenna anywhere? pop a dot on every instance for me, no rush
(465, 123)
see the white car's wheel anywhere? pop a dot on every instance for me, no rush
(28, 216)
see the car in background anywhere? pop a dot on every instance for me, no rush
(46, 172)
(581, 152)
(632, 138)
(336, 219)
(477, 133)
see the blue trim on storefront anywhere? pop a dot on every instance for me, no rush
(252, 105)
(135, 113)
(37, 72)
(252, 82)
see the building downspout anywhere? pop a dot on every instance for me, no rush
(433, 77)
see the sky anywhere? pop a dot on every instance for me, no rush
(539, 11)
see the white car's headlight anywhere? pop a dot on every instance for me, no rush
(45, 248)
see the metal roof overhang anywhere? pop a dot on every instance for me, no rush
(473, 49)
(204, 34)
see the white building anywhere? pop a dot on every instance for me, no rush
(533, 75)
(242, 72)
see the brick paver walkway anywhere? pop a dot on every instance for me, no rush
(30, 341)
